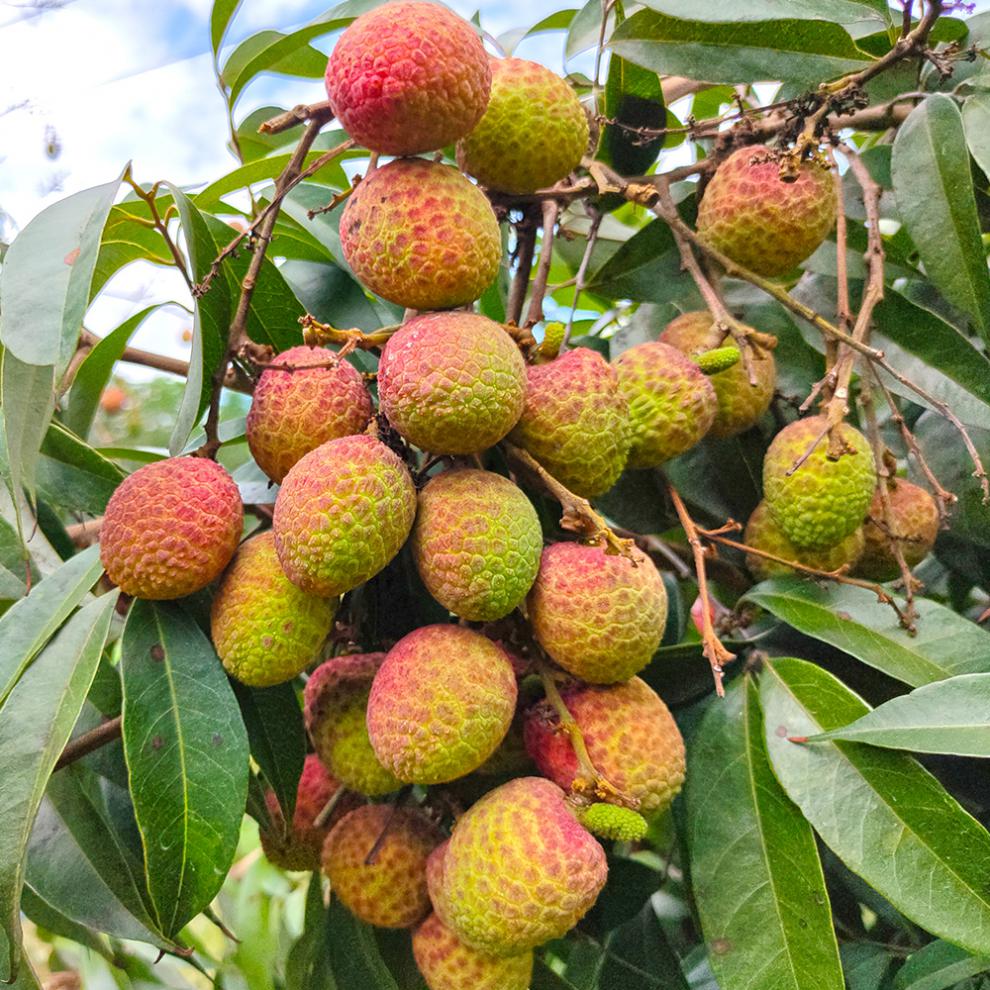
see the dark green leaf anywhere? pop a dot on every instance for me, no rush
(630, 885)
(544, 978)
(633, 98)
(838, 11)
(308, 965)
(354, 953)
(330, 294)
(51, 920)
(638, 957)
(865, 966)
(937, 966)
(72, 475)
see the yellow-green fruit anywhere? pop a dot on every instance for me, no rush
(672, 403)
(342, 513)
(386, 889)
(446, 963)
(519, 869)
(264, 628)
(477, 543)
(821, 502)
(419, 234)
(609, 821)
(335, 708)
(763, 533)
(576, 421)
(740, 404)
(533, 133)
(914, 527)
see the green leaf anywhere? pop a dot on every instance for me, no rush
(354, 954)
(633, 98)
(934, 189)
(51, 920)
(187, 759)
(852, 620)
(560, 20)
(544, 978)
(37, 721)
(308, 964)
(888, 819)
(72, 475)
(976, 123)
(800, 52)
(127, 238)
(948, 716)
(220, 17)
(838, 11)
(937, 966)
(585, 28)
(865, 966)
(637, 956)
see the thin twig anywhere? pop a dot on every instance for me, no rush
(321, 113)
(524, 252)
(551, 209)
(589, 248)
(90, 741)
(160, 224)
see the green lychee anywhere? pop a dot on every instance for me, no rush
(264, 628)
(440, 704)
(533, 133)
(419, 234)
(342, 513)
(609, 821)
(576, 421)
(915, 527)
(761, 220)
(477, 543)
(171, 527)
(452, 383)
(672, 403)
(821, 502)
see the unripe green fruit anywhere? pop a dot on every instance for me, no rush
(760, 220)
(600, 616)
(342, 513)
(721, 358)
(408, 78)
(915, 527)
(609, 821)
(477, 543)
(390, 890)
(763, 533)
(533, 133)
(823, 501)
(293, 412)
(452, 383)
(740, 404)
(672, 403)
(576, 421)
(419, 234)
(440, 704)
(335, 708)
(264, 628)
(171, 527)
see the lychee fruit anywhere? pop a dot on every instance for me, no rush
(264, 628)
(452, 383)
(299, 847)
(446, 963)
(342, 513)
(576, 421)
(519, 869)
(740, 404)
(171, 527)
(477, 543)
(609, 821)
(600, 616)
(821, 502)
(440, 704)
(763, 533)
(407, 78)
(761, 220)
(375, 858)
(914, 526)
(335, 708)
(672, 403)
(294, 411)
(420, 235)
(533, 133)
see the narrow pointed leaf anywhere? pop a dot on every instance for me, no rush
(220, 17)
(939, 965)
(354, 953)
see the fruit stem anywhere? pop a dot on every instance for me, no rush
(320, 334)
(534, 314)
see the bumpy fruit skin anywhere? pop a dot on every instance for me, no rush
(760, 221)
(576, 421)
(408, 78)
(915, 527)
(301, 846)
(171, 527)
(631, 736)
(390, 891)
(609, 821)
(519, 870)
(421, 235)
(600, 616)
(764, 534)
(293, 412)
(446, 963)
(452, 383)
(342, 513)
(477, 543)
(740, 404)
(440, 704)
(264, 628)
(672, 403)
(823, 501)
(533, 133)
(335, 709)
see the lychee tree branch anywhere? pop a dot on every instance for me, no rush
(551, 210)
(89, 742)
(524, 252)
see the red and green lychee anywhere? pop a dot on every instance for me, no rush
(913, 527)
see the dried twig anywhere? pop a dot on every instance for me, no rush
(551, 209)
(90, 741)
